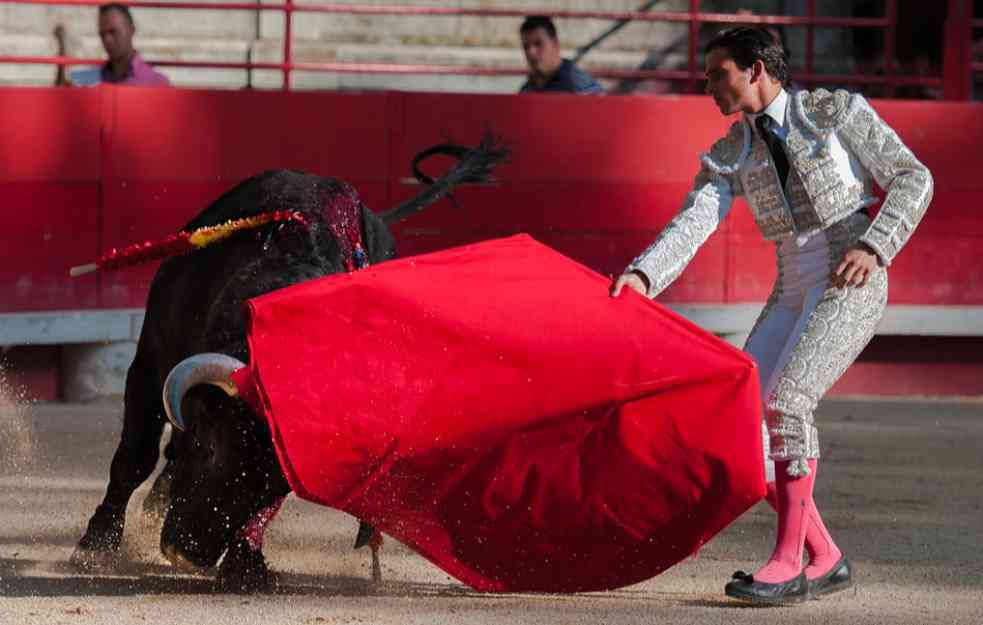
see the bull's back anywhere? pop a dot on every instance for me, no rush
(195, 301)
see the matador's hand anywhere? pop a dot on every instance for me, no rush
(634, 280)
(856, 267)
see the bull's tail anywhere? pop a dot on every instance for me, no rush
(473, 165)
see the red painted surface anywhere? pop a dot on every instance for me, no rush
(31, 373)
(83, 170)
(173, 135)
(47, 223)
(51, 135)
(916, 365)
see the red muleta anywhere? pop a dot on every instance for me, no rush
(493, 408)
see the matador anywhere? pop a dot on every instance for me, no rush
(805, 163)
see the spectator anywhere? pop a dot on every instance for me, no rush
(125, 66)
(548, 71)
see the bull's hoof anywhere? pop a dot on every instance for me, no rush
(88, 559)
(98, 549)
(368, 535)
(245, 571)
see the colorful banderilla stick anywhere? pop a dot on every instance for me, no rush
(182, 242)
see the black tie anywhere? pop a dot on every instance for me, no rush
(765, 123)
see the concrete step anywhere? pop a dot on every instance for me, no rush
(455, 31)
(183, 34)
(271, 50)
(467, 31)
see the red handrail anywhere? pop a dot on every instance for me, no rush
(957, 65)
(396, 9)
(464, 70)
(287, 42)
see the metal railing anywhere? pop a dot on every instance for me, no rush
(957, 71)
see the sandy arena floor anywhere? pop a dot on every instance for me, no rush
(901, 489)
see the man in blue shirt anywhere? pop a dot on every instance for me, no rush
(548, 71)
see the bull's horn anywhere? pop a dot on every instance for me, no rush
(214, 369)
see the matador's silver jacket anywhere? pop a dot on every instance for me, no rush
(836, 144)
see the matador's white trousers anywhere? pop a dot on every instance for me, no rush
(808, 333)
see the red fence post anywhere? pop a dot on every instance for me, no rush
(890, 67)
(694, 42)
(810, 42)
(956, 62)
(288, 12)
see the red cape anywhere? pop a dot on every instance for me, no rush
(492, 407)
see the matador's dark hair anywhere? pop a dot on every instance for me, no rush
(747, 44)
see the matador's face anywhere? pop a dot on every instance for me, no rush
(729, 85)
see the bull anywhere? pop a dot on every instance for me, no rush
(221, 473)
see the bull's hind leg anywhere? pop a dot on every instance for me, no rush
(134, 461)
(156, 502)
(368, 535)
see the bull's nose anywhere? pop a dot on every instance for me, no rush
(179, 561)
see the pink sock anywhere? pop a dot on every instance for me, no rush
(823, 552)
(793, 498)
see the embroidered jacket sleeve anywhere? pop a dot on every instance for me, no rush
(705, 207)
(907, 182)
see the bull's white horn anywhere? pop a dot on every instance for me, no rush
(208, 368)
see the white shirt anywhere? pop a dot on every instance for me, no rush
(778, 111)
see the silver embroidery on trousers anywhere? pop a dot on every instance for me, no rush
(840, 326)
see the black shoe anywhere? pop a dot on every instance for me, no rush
(745, 588)
(838, 578)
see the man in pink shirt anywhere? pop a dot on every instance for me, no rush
(125, 66)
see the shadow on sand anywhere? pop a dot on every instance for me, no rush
(31, 578)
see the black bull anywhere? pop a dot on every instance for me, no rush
(222, 470)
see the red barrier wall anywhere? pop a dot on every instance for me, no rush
(83, 170)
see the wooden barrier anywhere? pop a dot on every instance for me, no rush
(84, 170)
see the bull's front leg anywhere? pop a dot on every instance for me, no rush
(134, 461)
(244, 567)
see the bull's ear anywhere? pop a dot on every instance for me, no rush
(379, 241)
